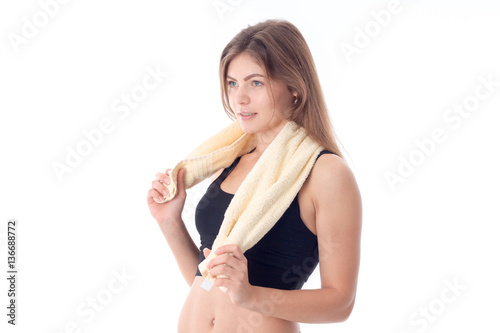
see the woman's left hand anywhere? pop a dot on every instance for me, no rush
(235, 267)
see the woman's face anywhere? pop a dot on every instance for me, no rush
(250, 98)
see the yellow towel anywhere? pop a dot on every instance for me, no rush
(267, 191)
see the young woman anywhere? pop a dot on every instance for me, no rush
(267, 78)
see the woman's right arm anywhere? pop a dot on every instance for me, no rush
(168, 217)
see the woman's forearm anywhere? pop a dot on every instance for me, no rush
(325, 305)
(185, 251)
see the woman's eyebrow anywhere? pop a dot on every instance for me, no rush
(246, 78)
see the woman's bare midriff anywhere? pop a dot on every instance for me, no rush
(212, 311)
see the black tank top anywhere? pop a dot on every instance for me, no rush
(283, 259)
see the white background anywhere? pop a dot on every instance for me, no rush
(440, 224)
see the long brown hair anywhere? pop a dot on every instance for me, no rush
(281, 50)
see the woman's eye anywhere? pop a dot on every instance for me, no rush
(231, 84)
(257, 83)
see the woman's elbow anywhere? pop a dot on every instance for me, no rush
(347, 312)
(341, 314)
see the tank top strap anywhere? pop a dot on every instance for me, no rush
(230, 168)
(324, 151)
(227, 171)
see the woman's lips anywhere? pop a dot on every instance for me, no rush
(247, 115)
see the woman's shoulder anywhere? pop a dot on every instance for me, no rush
(331, 172)
(333, 192)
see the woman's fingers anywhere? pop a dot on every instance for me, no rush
(224, 259)
(159, 190)
(163, 177)
(152, 193)
(160, 187)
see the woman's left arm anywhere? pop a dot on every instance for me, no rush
(338, 210)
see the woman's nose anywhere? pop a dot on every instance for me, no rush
(242, 97)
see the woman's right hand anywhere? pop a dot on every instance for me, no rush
(171, 210)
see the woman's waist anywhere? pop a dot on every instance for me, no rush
(215, 312)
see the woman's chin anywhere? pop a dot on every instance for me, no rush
(248, 128)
